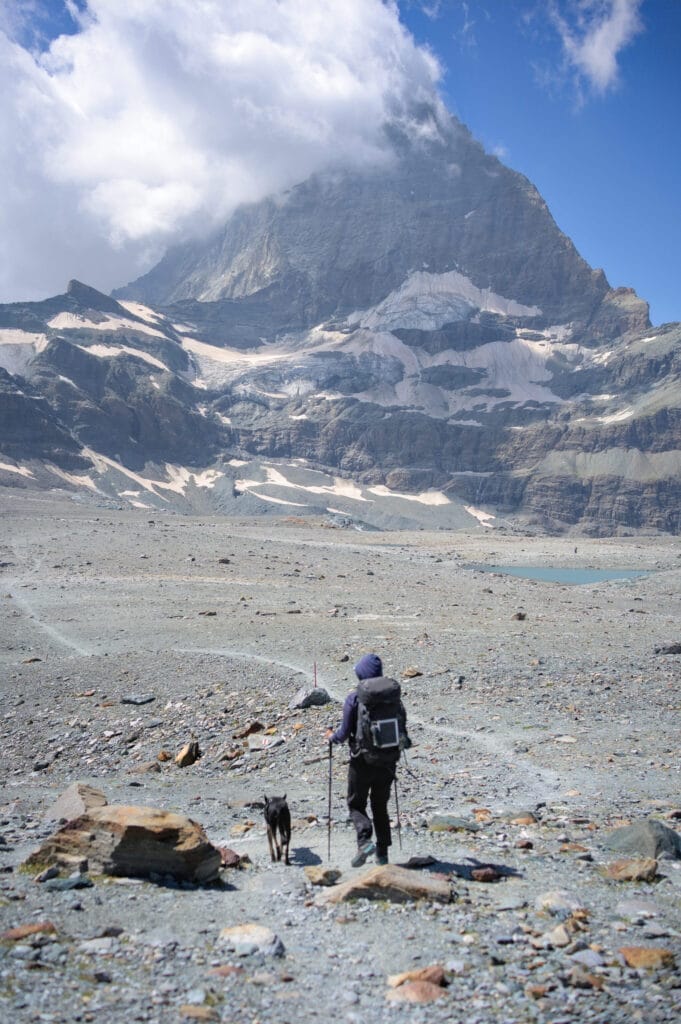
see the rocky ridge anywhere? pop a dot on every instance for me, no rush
(422, 327)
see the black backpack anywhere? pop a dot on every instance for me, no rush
(381, 721)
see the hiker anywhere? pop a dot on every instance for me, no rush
(375, 725)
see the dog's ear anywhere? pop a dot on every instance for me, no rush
(284, 796)
(266, 800)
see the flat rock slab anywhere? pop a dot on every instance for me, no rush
(648, 838)
(136, 842)
(390, 882)
(75, 801)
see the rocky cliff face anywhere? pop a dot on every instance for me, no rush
(422, 333)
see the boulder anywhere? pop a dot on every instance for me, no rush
(315, 696)
(189, 754)
(74, 801)
(390, 882)
(135, 842)
(435, 974)
(648, 838)
(450, 823)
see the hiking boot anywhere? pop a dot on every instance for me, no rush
(363, 854)
(381, 858)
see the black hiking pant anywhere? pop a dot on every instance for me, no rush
(372, 783)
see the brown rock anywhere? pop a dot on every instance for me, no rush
(642, 869)
(524, 844)
(390, 882)
(574, 848)
(134, 842)
(225, 970)
(411, 673)
(74, 801)
(198, 1012)
(647, 957)
(526, 818)
(319, 875)
(416, 992)
(230, 858)
(435, 974)
(537, 991)
(579, 977)
(22, 931)
(189, 754)
(485, 874)
(163, 755)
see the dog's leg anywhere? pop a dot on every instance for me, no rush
(269, 840)
(286, 842)
(277, 839)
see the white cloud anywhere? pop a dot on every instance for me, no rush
(593, 33)
(158, 118)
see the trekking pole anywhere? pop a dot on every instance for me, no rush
(397, 808)
(328, 844)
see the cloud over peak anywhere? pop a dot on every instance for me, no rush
(593, 34)
(156, 117)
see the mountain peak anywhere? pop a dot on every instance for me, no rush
(89, 298)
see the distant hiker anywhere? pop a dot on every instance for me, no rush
(375, 726)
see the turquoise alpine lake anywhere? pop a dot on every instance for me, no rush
(555, 574)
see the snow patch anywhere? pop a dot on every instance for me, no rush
(110, 351)
(19, 470)
(425, 498)
(77, 481)
(428, 301)
(484, 518)
(74, 322)
(17, 349)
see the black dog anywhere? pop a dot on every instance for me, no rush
(278, 818)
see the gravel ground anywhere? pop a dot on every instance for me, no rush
(565, 710)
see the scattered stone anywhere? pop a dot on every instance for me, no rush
(189, 754)
(75, 881)
(523, 818)
(520, 616)
(135, 842)
(411, 673)
(23, 931)
(229, 858)
(435, 974)
(524, 844)
(248, 730)
(647, 957)
(635, 909)
(149, 767)
(669, 649)
(225, 970)
(209, 614)
(261, 741)
(247, 939)
(588, 958)
(393, 883)
(558, 903)
(164, 755)
(640, 870)
(579, 977)
(224, 561)
(191, 1012)
(138, 698)
(30, 661)
(319, 875)
(420, 862)
(51, 872)
(450, 823)
(649, 838)
(416, 992)
(573, 848)
(314, 696)
(74, 801)
(486, 873)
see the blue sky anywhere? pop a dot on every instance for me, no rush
(606, 160)
(127, 123)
